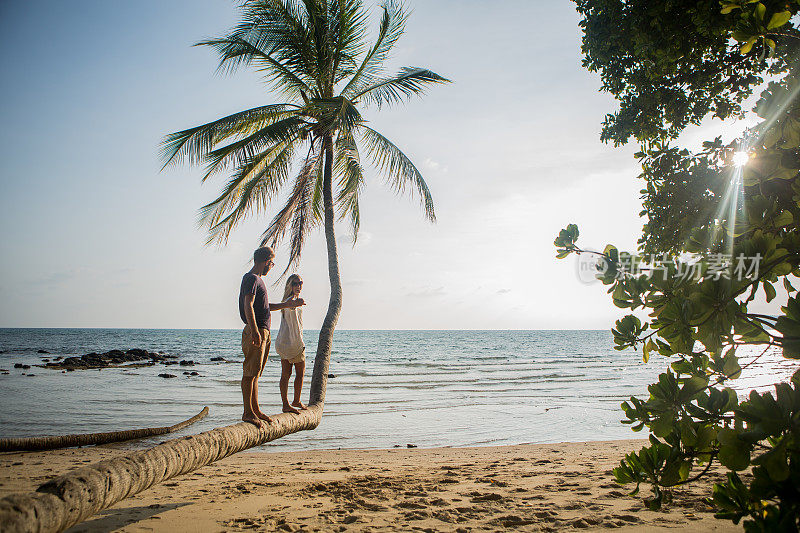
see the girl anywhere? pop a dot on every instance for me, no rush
(290, 346)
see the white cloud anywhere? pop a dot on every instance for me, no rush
(434, 166)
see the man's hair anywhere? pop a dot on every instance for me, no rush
(262, 254)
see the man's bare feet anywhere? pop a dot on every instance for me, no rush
(253, 420)
(262, 416)
(289, 409)
(299, 405)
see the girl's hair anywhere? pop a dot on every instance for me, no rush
(288, 290)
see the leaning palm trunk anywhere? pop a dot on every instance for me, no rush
(30, 444)
(305, 49)
(72, 498)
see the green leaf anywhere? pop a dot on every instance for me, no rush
(779, 19)
(761, 10)
(770, 291)
(648, 345)
(733, 453)
(784, 219)
(747, 46)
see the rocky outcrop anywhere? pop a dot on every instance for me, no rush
(111, 359)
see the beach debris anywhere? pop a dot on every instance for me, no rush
(29, 444)
(112, 358)
(167, 376)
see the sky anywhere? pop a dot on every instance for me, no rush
(94, 234)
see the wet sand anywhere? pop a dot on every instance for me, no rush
(542, 487)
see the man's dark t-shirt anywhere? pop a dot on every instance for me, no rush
(252, 284)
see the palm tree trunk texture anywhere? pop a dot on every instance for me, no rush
(72, 498)
(31, 444)
(325, 341)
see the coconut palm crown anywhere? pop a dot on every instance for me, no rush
(315, 54)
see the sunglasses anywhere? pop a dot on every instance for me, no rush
(297, 283)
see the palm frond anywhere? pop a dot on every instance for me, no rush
(399, 169)
(280, 28)
(237, 51)
(270, 168)
(297, 214)
(250, 190)
(195, 143)
(351, 179)
(345, 36)
(243, 151)
(391, 27)
(410, 81)
(334, 113)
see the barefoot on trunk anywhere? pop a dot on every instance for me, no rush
(253, 420)
(289, 409)
(262, 416)
(300, 405)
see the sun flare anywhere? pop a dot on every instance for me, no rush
(740, 159)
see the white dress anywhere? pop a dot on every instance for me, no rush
(289, 342)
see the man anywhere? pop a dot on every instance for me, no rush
(254, 309)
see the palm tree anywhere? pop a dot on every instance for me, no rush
(316, 55)
(314, 52)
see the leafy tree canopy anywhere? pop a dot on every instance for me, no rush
(722, 224)
(673, 62)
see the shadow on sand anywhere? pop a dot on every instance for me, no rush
(113, 519)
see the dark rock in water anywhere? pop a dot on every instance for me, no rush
(194, 373)
(187, 363)
(4, 373)
(2, 351)
(411, 445)
(42, 351)
(46, 360)
(217, 358)
(331, 376)
(110, 359)
(167, 376)
(20, 365)
(170, 362)
(31, 375)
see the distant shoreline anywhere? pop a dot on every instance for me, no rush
(306, 329)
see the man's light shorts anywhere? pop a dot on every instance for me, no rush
(255, 357)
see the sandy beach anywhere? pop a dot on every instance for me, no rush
(542, 487)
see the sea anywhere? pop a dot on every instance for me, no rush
(389, 388)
